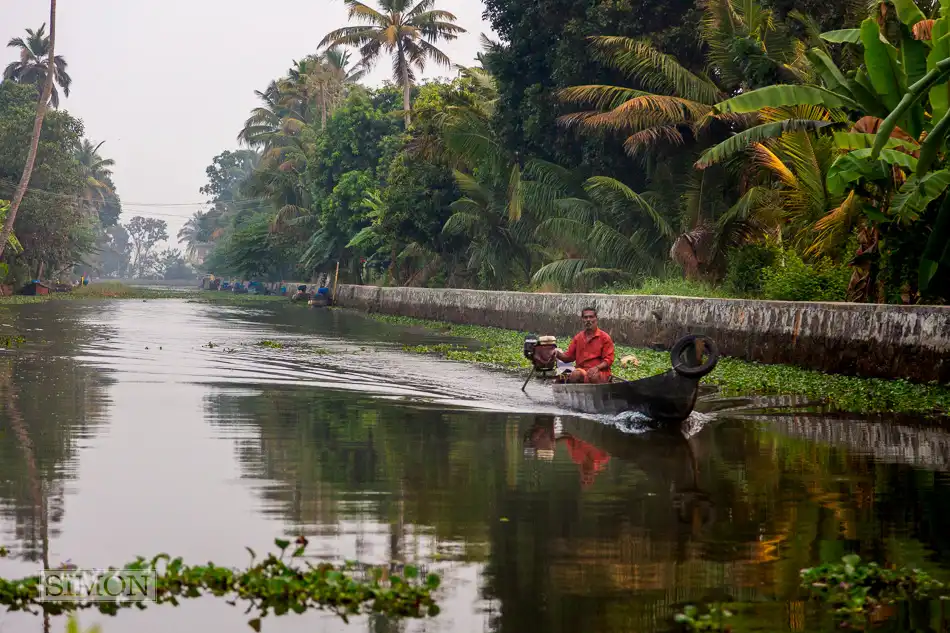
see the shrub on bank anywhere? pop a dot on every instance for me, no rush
(789, 278)
(746, 264)
(670, 287)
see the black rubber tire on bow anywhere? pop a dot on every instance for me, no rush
(700, 370)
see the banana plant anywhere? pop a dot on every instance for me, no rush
(900, 98)
(874, 89)
(930, 177)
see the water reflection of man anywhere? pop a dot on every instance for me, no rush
(542, 439)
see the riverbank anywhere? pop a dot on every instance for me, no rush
(104, 290)
(119, 290)
(869, 340)
(733, 377)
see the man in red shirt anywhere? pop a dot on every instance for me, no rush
(591, 351)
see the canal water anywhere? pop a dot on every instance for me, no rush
(137, 427)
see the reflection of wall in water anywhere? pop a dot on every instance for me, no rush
(633, 561)
(894, 443)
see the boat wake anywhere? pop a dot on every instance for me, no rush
(234, 357)
(636, 423)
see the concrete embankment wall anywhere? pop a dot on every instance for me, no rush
(910, 342)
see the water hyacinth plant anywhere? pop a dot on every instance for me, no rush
(274, 584)
(855, 590)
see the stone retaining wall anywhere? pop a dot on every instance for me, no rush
(910, 342)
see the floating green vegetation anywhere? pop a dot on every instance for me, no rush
(713, 619)
(856, 594)
(855, 590)
(734, 377)
(271, 344)
(72, 626)
(11, 341)
(273, 585)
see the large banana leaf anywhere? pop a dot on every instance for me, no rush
(937, 250)
(842, 36)
(857, 140)
(908, 12)
(737, 143)
(880, 60)
(861, 78)
(831, 76)
(915, 194)
(833, 79)
(857, 165)
(910, 101)
(914, 64)
(784, 95)
(913, 59)
(940, 49)
(932, 145)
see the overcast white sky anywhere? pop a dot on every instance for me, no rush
(167, 84)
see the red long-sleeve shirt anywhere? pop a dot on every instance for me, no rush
(589, 351)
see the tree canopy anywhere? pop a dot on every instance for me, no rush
(600, 144)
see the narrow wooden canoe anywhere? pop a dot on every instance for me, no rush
(666, 399)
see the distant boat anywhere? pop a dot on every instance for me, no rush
(35, 288)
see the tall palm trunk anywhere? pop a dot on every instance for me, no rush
(323, 108)
(406, 86)
(41, 106)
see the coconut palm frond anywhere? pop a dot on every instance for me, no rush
(657, 71)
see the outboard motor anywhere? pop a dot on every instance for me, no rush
(530, 341)
(540, 351)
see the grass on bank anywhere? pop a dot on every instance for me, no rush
(119, 290)
(104, 290)
(734, 377)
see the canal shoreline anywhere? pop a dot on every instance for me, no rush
(501, 348)
(866, 340)
(820, 392)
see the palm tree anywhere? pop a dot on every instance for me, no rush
(96, 173)
(33, 64)
(268, 122)
(404, 31)
(340, 74)
(198, 230)
(319, 82)
(668, 107)
(35, 140)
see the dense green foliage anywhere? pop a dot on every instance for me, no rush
(51, 225)
(68, 224)
(602, 144)
(68, 221)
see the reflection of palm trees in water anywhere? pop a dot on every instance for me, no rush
(22, 435)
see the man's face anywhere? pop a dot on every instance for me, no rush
(590, 320)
